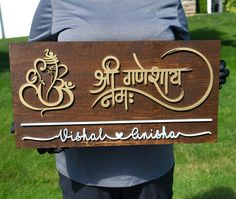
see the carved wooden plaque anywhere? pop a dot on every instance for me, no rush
(84, 94)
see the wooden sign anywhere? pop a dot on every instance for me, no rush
(79, 94)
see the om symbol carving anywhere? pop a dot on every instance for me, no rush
(45, 78)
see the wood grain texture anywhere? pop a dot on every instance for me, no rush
(83, 59)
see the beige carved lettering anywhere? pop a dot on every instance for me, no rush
(159, 77)
(107, 78)
(49, 65)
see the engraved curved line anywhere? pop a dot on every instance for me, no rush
(40, 139)
(106, 64)
(21, 91)
(52, 104)
(53, 80)
(41, 68)
(22, 97)
(68, 104)
(137, 61)
(181, 96)
(210, 85)
(194, 134)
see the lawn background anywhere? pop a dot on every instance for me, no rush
(202, 171)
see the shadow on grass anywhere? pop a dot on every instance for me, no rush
(217, 193)
(4, 55)
(4, 61)
(212, 34)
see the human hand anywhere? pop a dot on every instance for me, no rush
(12, 128)
(224, 72)
(50, 150)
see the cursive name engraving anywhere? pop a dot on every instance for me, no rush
(65, 135)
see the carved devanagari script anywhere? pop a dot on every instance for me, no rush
(110, 94)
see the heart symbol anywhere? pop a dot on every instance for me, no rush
(119, 135)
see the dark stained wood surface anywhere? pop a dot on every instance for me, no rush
(83, 59)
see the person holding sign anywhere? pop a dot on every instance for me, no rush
(138, 172)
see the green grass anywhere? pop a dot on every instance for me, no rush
(202, 171)
(23, 173)
(208, 171)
